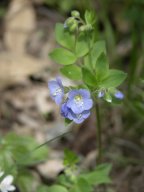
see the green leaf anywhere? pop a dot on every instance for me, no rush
(64, 37)
(99, 176)
(70, 158)
(72, 72)
(98, 48)
(67, 121)
(107, 97)
(81, 46)
(88, 77)
(25, 181)
(101, 67)
(22, 149)
(90, 17)
(42, 188)
(7, 162)
(64, 180)
(57, 188)
(63, 56)
(81, 186)
(113, 79)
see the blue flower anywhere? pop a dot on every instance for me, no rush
(79, 101)
(77, 118)
(56, 90)
(119, 95)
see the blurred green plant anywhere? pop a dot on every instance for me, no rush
(17, 154)
(2, 12)
(65, 5)
(75, 180)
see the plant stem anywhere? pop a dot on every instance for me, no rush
(98, 128)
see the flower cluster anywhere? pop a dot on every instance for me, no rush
(6, 183)
(75, 22)
(76, 107)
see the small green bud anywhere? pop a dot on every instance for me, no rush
(73, 27)
(107, 97)
(88, 27)
(82, 28)
(75, 13)
(70, 21)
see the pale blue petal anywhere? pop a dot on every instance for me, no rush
(73, 93)
(119, 95)
(88, 103)
(75, 107)
(84, 93)
(100, 94)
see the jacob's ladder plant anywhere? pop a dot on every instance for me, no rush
(83, 59)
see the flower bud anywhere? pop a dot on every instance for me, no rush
(70, 21)
(88, 27)
(82, 28)
(75, 13)
(73, 27)
(107, 97)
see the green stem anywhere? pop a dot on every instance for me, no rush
(98, 128)
(89, 55)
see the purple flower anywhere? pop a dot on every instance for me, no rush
(79, 101)
(64, 110)
(77, 118)
(56, 90)
(119, 95)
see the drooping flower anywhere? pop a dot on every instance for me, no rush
(69, 114)
(119, 95)
(6, 183)
(100, 94)
(79, 101)
(56, 90)
(115, 93)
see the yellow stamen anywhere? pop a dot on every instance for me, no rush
(78, 98)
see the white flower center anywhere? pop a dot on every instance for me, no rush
(57, 91)
(78, 99)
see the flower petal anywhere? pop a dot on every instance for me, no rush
(7, 180)
(119, 95)
(56, 90)
(73, 93)
(79, 118)
(84, 93)
(11, 188)
(100, 94)
(75, 107)
(88, 103)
